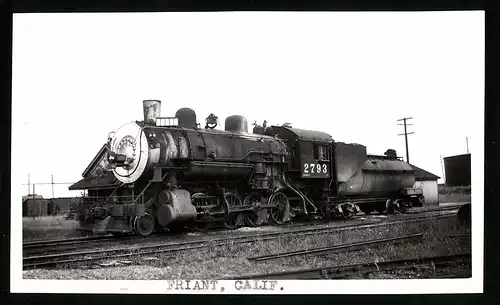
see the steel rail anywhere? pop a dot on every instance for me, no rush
(341, 271)
(445, 208)
(459, 235)
(92, 239)
(336, 247)
(47, 260)
(60, 240)
(235, 238)
(261, 236)
(68, 241)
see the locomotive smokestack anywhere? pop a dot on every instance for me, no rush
(152, 110)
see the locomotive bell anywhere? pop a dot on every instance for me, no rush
(391, 153)
(152, 110)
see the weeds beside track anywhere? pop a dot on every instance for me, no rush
(343, 271)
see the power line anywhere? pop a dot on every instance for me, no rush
(42, 183)
(406, 136)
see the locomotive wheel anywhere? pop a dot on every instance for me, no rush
(281, 212)
(144, 225)
(199, 225)
(347, 212)
(390, 206)
(404, 205)
(232, 220)
(257, 217)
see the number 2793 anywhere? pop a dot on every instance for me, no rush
(313, 168)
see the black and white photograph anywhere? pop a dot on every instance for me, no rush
(248, 152)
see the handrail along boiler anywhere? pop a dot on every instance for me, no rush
(175, 174)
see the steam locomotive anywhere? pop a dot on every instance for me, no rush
(174, 175)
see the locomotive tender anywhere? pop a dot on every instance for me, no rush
(175, 174)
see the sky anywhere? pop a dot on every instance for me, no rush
(77, 77)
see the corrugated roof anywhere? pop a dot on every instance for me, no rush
(421, 174)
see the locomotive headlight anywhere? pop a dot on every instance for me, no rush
(126, 148)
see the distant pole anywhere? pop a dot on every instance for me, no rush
(34, 200)
(467, 142)
(406, 136)
(442, 168)
(29, 186)
(52, 177)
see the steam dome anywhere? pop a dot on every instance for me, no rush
(186, 117)
(236, 123)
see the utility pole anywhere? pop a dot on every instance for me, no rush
(467, 142)
(52, 177)
(442, 168)
(34, 200)
(29, 186)
(406, 136)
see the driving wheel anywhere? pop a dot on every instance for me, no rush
(281, 212)
(232, 220)
(259, 215)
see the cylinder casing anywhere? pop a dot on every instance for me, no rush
(175, 206)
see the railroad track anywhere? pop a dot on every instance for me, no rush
(69, 241)
(344, 271)
(351, 246)
(173, 247)
(96, 239)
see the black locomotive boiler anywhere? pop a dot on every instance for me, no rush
(175, 174)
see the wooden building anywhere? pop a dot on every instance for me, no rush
(429, 184)
(97, 180)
